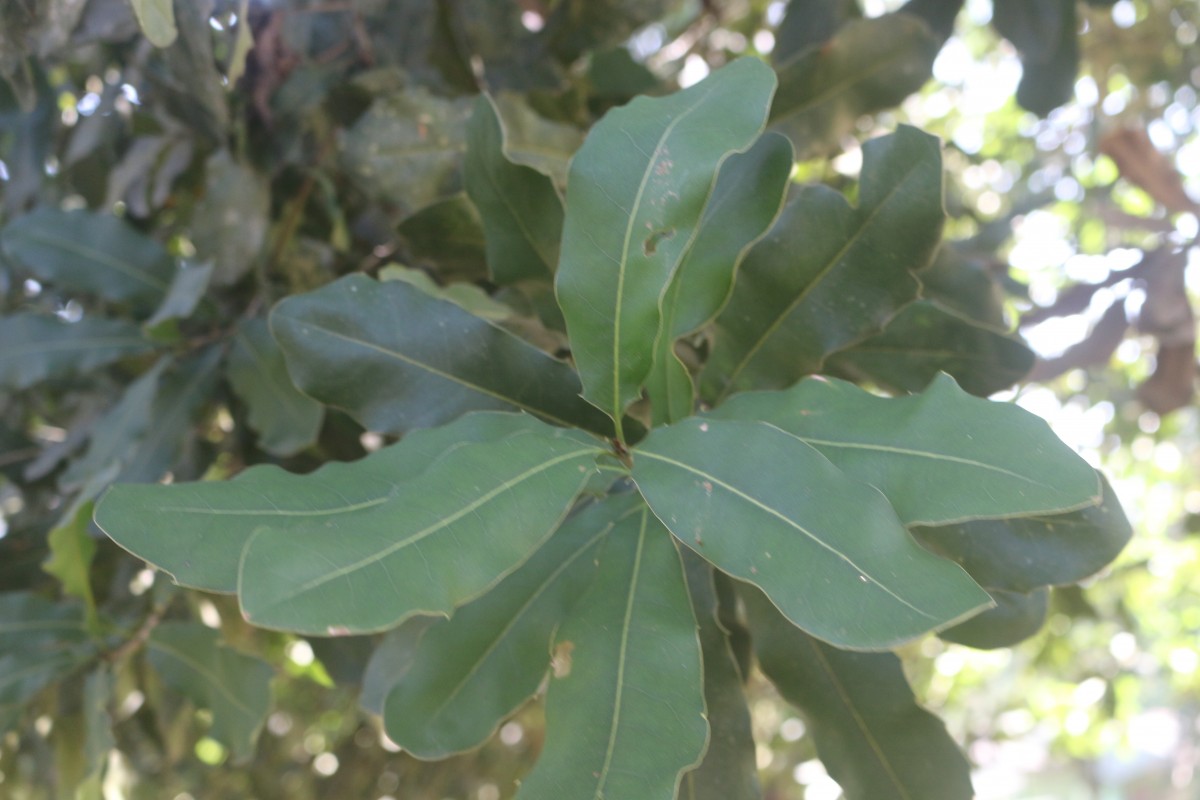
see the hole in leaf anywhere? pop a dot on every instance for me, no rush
(650, 246)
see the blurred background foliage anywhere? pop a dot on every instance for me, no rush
(274, 145)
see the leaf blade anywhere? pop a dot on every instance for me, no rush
(631, 659)
(439, 540)
(628, 219)
(939, 457)
(872, 736)
(473, 670)
(38, 348)
(378, 350)
(828, 275)
(521, 212)
(210, 522)
(286, 420)
(812, 525)
(95, 253)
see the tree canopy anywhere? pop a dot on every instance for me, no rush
(596, 398)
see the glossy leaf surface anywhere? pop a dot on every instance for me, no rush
(868, 65)
(873, 737)
(196, 531)
(521, 212)
(474, 669)
(728, 771)
(626, 704)
(829, 275)
(830, 552)
(396, 358)
(233, 686)
(745, 201)
(39, 348)
(1028, 553)
(927, 338)
(286, 420)
(636, 194)
(82, 251)
(439, 540)
(1014, 619)
(939, 457)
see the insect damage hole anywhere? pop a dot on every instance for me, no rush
(650, 246)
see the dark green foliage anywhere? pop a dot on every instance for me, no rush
(408, 322)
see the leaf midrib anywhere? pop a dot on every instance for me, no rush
(622, 657)
(466, 384)
(429, 530)
(863, 226)
(784, 518)
(859, 720)
(94, 255)
(623, 264)
(533, 598)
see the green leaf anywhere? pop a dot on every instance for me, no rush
(873, 738)
(625, 708)
(729, 770)
(185, 75)
(71, 552)
(157, 20)
(40, 643)
(636, 195)
(810, 22)
(1028, 553)
(474, 669)
(186, 387)
(1045, 33)
(286, 420)
(114, 438)
(229, 224)
(449, 234)
(745, 201)
(439, 540)
(868, 65)
(196, 531)
(467, 296)
(939, 457)
(829, 275)
(535, 141)
(39, 348)
(82, 251)
(234, 687)
(186, 291)
(97, 723)
(521, 212)
(408, 148)
(963, 281)
(390, 661)
(1014, 619)
(927, 338)
(82, 735)
(767, 508)
(380, 351)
